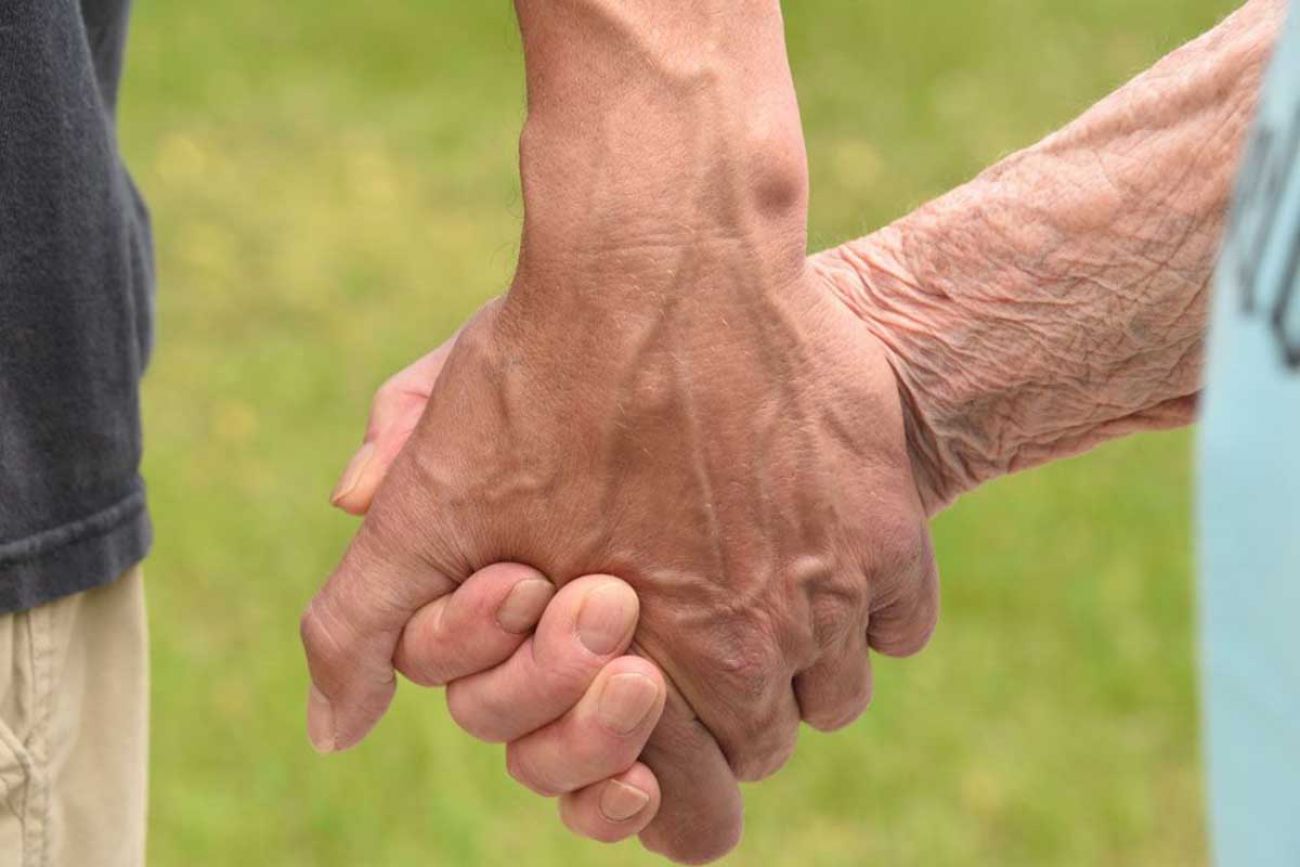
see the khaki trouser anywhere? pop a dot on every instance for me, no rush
(74, 711)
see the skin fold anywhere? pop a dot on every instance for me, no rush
(1061, 298)
(753, 440)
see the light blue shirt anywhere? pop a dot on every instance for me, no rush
(1249, 504)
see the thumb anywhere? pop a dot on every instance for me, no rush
(350, 631)
(396, 410)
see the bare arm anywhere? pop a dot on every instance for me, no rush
(669, 394)
(661, 136)
(1059, 299)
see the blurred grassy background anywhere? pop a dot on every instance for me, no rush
(334, 189)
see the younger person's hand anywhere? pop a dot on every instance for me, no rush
(549, 677)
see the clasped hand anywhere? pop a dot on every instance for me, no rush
(669, 405)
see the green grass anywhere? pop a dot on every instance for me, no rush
(334, 190)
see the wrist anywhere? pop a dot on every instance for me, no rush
(1004, 362)
(1060, 299)
(585, 60)
(873, 281)
(663, 152)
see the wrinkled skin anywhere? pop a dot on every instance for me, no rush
(748, 476)
(762, 512)
(755, 491)
(669, 394)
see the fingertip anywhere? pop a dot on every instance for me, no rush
(352, 503)
(607, 615)
(522, 608)
(705, 848)
(629, 696)
(352, 677)
(477, 711)
(631, 795)
(343, 493)
(417, 656)
(320, 721)
(602, 735)
(589, 621)
(476, 627)
(906, 626)
(620, 802)
(613, 809)
(901, 636)
(829, 722)
(836, 691)
(519, 767)
(701, 815)
(638, 665)
(344, 726)
(358, 499)
(356, 509)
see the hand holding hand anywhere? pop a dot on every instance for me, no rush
(671, 395)
(574, 711)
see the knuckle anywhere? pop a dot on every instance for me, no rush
(472, 712)
(693, 845)
(570, 815)
(421, 670)
(580, 816)
(754, 764)
(573, 817)
(751, 675)
(839, 608)
(426, 657)
(523, 771)
(748, 669)
(308, 630)
(904, 551)
(325, 644)
(565, 671)
(927, 620)
(757, 750)
(920, 638)
(831, 721)
(604, 752)
(905, 608)
(833, 716)
(905, 632)
(908, 625)
(421, 675)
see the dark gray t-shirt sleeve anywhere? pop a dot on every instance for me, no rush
(75, 294)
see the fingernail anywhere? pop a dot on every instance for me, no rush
(607, 617)
(352, 475)
(625, 702)
(620, 802)
(320, 721)
(524, 606)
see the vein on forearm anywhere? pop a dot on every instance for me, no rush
(1060, 299)
(658, 131)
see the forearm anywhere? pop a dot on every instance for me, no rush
(662, 135)
(1060, 298)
